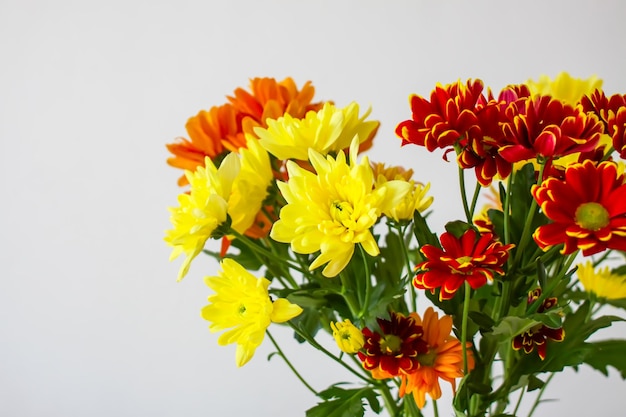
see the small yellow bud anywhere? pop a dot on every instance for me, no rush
(348, 337)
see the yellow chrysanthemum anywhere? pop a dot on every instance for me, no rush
(565, 87)
(415, 200)
(333, 209)
(250, 186)
(201, 211)
(241, 305)
(328, 130)
(602, 282)
(348, 337)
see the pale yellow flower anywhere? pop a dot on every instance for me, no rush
(415, 200)
(333, 209)
(328, 130)
(242, 306)
(602, 281)
(565, 87)
(201, 211)
(348, 337)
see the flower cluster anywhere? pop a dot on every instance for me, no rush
(317, 237)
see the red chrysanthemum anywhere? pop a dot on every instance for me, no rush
(395, 349)
(445, 119)
(473, 257)
(548, 128)
(587, 209)
(539, 335)
(612, 112)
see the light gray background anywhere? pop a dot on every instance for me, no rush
(92, 322)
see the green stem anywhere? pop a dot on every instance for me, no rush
(475, 199)
(407, 263)
(435, 409)
(368, 283)
(390, 403)
(289, 364)
(321, 348)
(519, 400)
(468, 214)
(466, 303)
(538, 399)
(347, 295)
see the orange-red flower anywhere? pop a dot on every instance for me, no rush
(612, 112)
(539, 335)
(547, 128)
(444, 120)
(472, 257)
(443, 359)
(587, 209)
(224, 128)
(393, 351)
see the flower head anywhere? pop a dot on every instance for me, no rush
(602, 282)
(394, 350)
(242, 306)
(442, 360)
(564, 87)
(472, 257)
(203, 210)
(587, 209)
(348, 337)
(223, 128)
(545, 127)
(538, 335)
(328, 130)
(333, 209)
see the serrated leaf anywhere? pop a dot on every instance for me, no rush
(341, 402)
(608, 353)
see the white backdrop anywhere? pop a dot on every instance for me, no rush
(92, 322)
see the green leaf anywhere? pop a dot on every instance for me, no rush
(341, 402)
(484, 321)
(458, 228)
(608, 353)
(534, 383)
(511, 326)
(422, 232)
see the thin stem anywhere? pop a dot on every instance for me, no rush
(293, 369)
(519, 400)
(407, 263)
(466, 303)
(541, 391)
(390, 403)
(368, 283)
(475, 199)
(347, 295)
(321, 348)
(466, 208)
(435, 409)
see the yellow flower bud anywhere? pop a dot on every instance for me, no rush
(348, 337)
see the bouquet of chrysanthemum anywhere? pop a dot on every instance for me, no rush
(317, 237)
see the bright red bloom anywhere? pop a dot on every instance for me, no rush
(539, 335)
(395, 349)
(546, 127)
(587, 209)
(612, 112)
(473, 257)
(444, 120)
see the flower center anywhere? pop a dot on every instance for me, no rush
(390, 343)
(427, 359)
(592, 216)
(341, 212)
(464, 260)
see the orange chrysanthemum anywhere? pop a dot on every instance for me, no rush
(224, 128)
(587, 209)
(548, 128)
(443, 360)
(393, 351)
(472, 257)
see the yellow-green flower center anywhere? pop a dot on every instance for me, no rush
(463, 260)
(592, 216)
(390, 343)
(427, 359)
(341, 212)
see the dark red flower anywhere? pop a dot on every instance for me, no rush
(539, 335)
(473, 257)
(395, 349)
(587, 209)
(612, 112)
